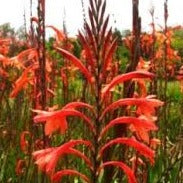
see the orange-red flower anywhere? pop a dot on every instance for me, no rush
(146, 106)
(23, 141)
(125, 77)
(20, 164)
(21, 82)
(139, 125)
(58, 176)
(140, 147)
(56, 120)
(128, 171)
(77, 63)
(47, 159)
(60, 36)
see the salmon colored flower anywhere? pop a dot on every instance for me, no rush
(19, 167)
(77, 63)
(23, 141)
(56, 120)
(47, 159)
(139, 124)
(125, 77)
(128, 171)
(60, 36)
(57, 177)
(140, 147)
(146, 106)
(21, 82)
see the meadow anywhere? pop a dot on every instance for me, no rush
(102, 107)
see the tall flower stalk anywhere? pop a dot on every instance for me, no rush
(101, 109)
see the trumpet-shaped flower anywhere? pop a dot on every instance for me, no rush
(56, 120)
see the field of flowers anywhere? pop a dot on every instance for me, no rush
(103, 107)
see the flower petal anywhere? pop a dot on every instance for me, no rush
(143, 149)
(125, 77)
(76, 62)
(58, 176)
(128, 171)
